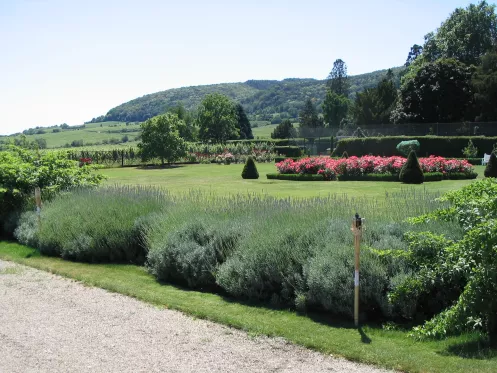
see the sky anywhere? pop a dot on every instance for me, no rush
(69, 61)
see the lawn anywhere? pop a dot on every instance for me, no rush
(370, 344)
(226, 179)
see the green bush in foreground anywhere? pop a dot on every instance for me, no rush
(289, 252)
(411, 172)
(468, 265)
(103, 225)
(250, 169)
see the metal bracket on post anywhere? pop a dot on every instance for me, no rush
(357, 227)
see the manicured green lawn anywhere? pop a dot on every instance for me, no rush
(224, 179)
(392, 349)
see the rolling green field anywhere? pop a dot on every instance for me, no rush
(91, 134)
(226, 179)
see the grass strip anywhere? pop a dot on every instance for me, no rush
(390, 349)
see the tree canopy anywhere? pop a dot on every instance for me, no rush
(338, 80)
(466, 35)
(217, 119)
(439, 92)
(160, 138)
(335, 108)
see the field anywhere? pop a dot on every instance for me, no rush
(226, 179)
(92, 133)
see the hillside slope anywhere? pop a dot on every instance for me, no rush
(261, 98)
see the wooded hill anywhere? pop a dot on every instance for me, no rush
(262, 99)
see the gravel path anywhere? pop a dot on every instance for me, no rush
(52, 324)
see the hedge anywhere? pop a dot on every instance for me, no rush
(473, 161)
(460, 176)
(429, 176)
(281, 159)
(445, 146)
(432, 176)
(288, 151)
(296, 177)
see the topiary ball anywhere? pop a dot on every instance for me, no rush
(491, 169)
(411, 172)
(250, 170)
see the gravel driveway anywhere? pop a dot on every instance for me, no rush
(52, 324)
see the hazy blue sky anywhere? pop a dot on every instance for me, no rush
(69, 61)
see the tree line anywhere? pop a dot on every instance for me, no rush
(452, 77)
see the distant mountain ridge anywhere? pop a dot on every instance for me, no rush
(262, 99)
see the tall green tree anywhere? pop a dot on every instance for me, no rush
(439, 92)
(466, 35)
(308, 116)
(338, 80)
(217, 119)
(414, 53)
(160, 138)
(243, 123)
(374, 105)
(485, 87)
(335, 108)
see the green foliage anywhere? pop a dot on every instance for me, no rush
(411, 172)
(258, 97)
(188, 131)
(217, 119)
(335, 108)
(439, 92)
(250, 169)
(485, 86)
(491, 169)
(288, 151)
(470, 151)
(405, 147)
(374, 105)
(445, 146)
(308, 116)
(99, 225)
(243, 123)
(160, 139)
(284, 130)
(466, 35)
(470, 262)
(338, 80)
(191, 255)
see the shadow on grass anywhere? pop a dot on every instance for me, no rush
(159, 167)
(476, 347)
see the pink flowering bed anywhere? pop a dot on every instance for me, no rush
(357, 166)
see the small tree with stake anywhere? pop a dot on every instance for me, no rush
(250, 170)
(411, 172)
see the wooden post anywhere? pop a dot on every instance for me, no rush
(38, 203)
(357, 231)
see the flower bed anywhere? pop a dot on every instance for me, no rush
(331, 169)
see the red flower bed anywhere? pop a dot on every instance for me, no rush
(330, 168)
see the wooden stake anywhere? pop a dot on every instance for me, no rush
(38, 203)
(357, 231)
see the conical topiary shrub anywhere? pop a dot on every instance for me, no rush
(411, 172)
(250, 170)
(491, 169)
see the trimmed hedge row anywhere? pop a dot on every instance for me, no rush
(445, 146)
(288, 151)
(429, 176)
(296, 177)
